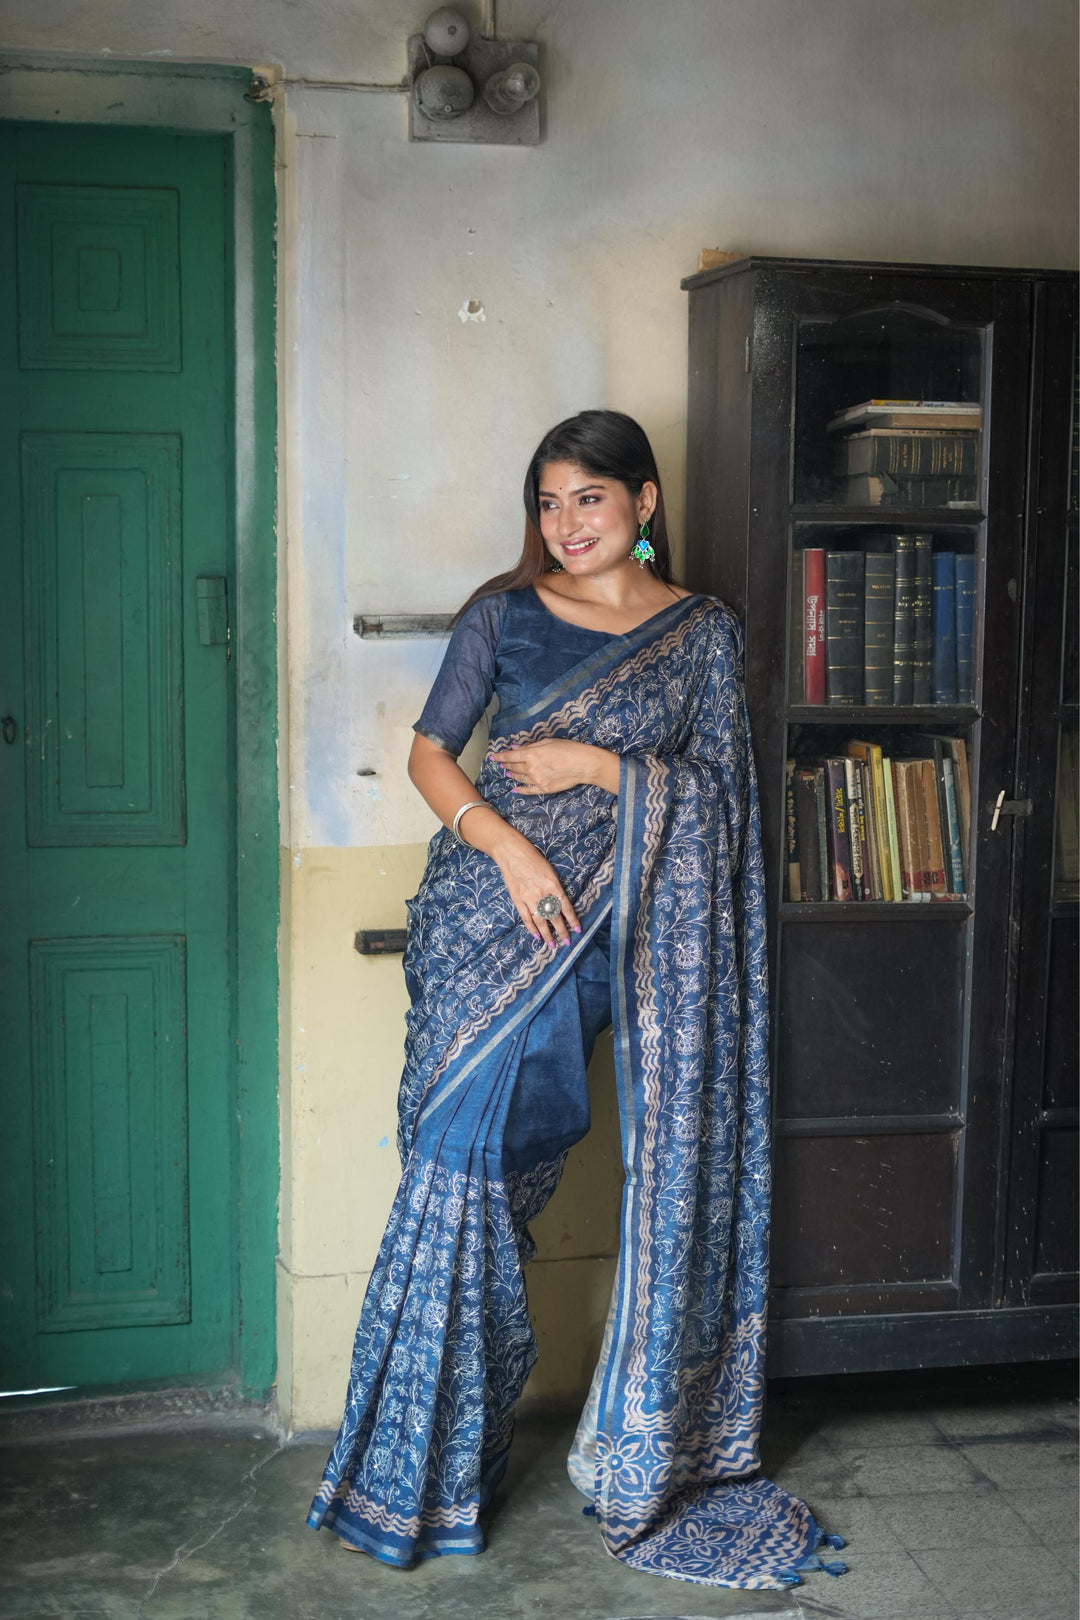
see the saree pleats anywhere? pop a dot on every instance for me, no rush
(668, 1444)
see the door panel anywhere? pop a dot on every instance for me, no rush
(101, 540)
(99, 278)
(110, 1132)
(117, 801)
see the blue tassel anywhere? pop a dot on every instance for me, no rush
(789, 1578)
(589, 1510)
(811, 1561)
(835, 1568)
(835, 1541)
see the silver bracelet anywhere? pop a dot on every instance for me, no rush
(473, 804)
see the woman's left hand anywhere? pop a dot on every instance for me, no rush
(555, 764)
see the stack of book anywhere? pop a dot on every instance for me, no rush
(887, 626)
(908, 452)
(864, 826)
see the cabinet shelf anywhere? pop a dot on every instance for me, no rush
(855, 911)
(888, 517)
(862, 714)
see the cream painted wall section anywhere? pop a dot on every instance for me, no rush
(342, 1167)
(937, 130)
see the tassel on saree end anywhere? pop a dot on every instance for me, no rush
(789, 1578)
(589, 1510)
(835, 1568)
(836, 1542)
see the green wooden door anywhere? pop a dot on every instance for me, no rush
(116, 781)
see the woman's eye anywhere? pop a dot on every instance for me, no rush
(588, 500)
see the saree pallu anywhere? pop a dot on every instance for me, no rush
(667, 881)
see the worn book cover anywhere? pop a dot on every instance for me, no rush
(904, 618)
(813, 624)
(807, 779)
(943, 682)
(914, 453)
(879, 592)
(844, 610)
(922, 650)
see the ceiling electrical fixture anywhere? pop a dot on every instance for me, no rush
(449, 64)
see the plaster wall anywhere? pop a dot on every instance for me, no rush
(440, 307)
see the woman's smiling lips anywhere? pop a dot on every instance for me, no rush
(574, 548)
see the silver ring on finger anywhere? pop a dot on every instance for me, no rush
(548, 907)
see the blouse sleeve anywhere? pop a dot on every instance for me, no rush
(466, 679)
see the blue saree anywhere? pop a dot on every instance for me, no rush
(667, 881)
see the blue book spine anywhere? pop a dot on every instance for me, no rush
(952, 810)
(943, 628)
(965, 628)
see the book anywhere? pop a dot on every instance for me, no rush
(922, 642)
(943, 627)
(910, 453)
(889, 792)
(939, 747)
(839, 839)
(872, 849)
(911, 881)
(882, 489)
(952, 814)
(821, 798)
(844, 609)
(794, 879)
(955, 749)
(870, 756)
(904, 618)
(965, 627)
(879, 607)
(856, 830)
(813, 623)
(909, 413)
(929, 814)
(806, 818)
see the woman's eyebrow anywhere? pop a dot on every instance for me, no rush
(551, 495)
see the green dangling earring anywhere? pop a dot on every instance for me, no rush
(643, 552)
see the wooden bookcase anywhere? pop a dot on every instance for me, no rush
(924, 1054)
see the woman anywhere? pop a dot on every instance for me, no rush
(605, 868)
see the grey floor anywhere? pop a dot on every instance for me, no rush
(958, 1496)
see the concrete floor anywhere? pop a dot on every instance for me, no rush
(958, 1495)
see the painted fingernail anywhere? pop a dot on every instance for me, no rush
(566, 941)
(577, 930)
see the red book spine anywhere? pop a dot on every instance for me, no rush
(813, 559)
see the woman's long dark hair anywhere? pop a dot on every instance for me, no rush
(606, 444)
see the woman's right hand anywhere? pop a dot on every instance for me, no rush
(528, 877)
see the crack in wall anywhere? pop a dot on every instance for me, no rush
(187, 1548)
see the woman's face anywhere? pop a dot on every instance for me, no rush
(589, 524)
